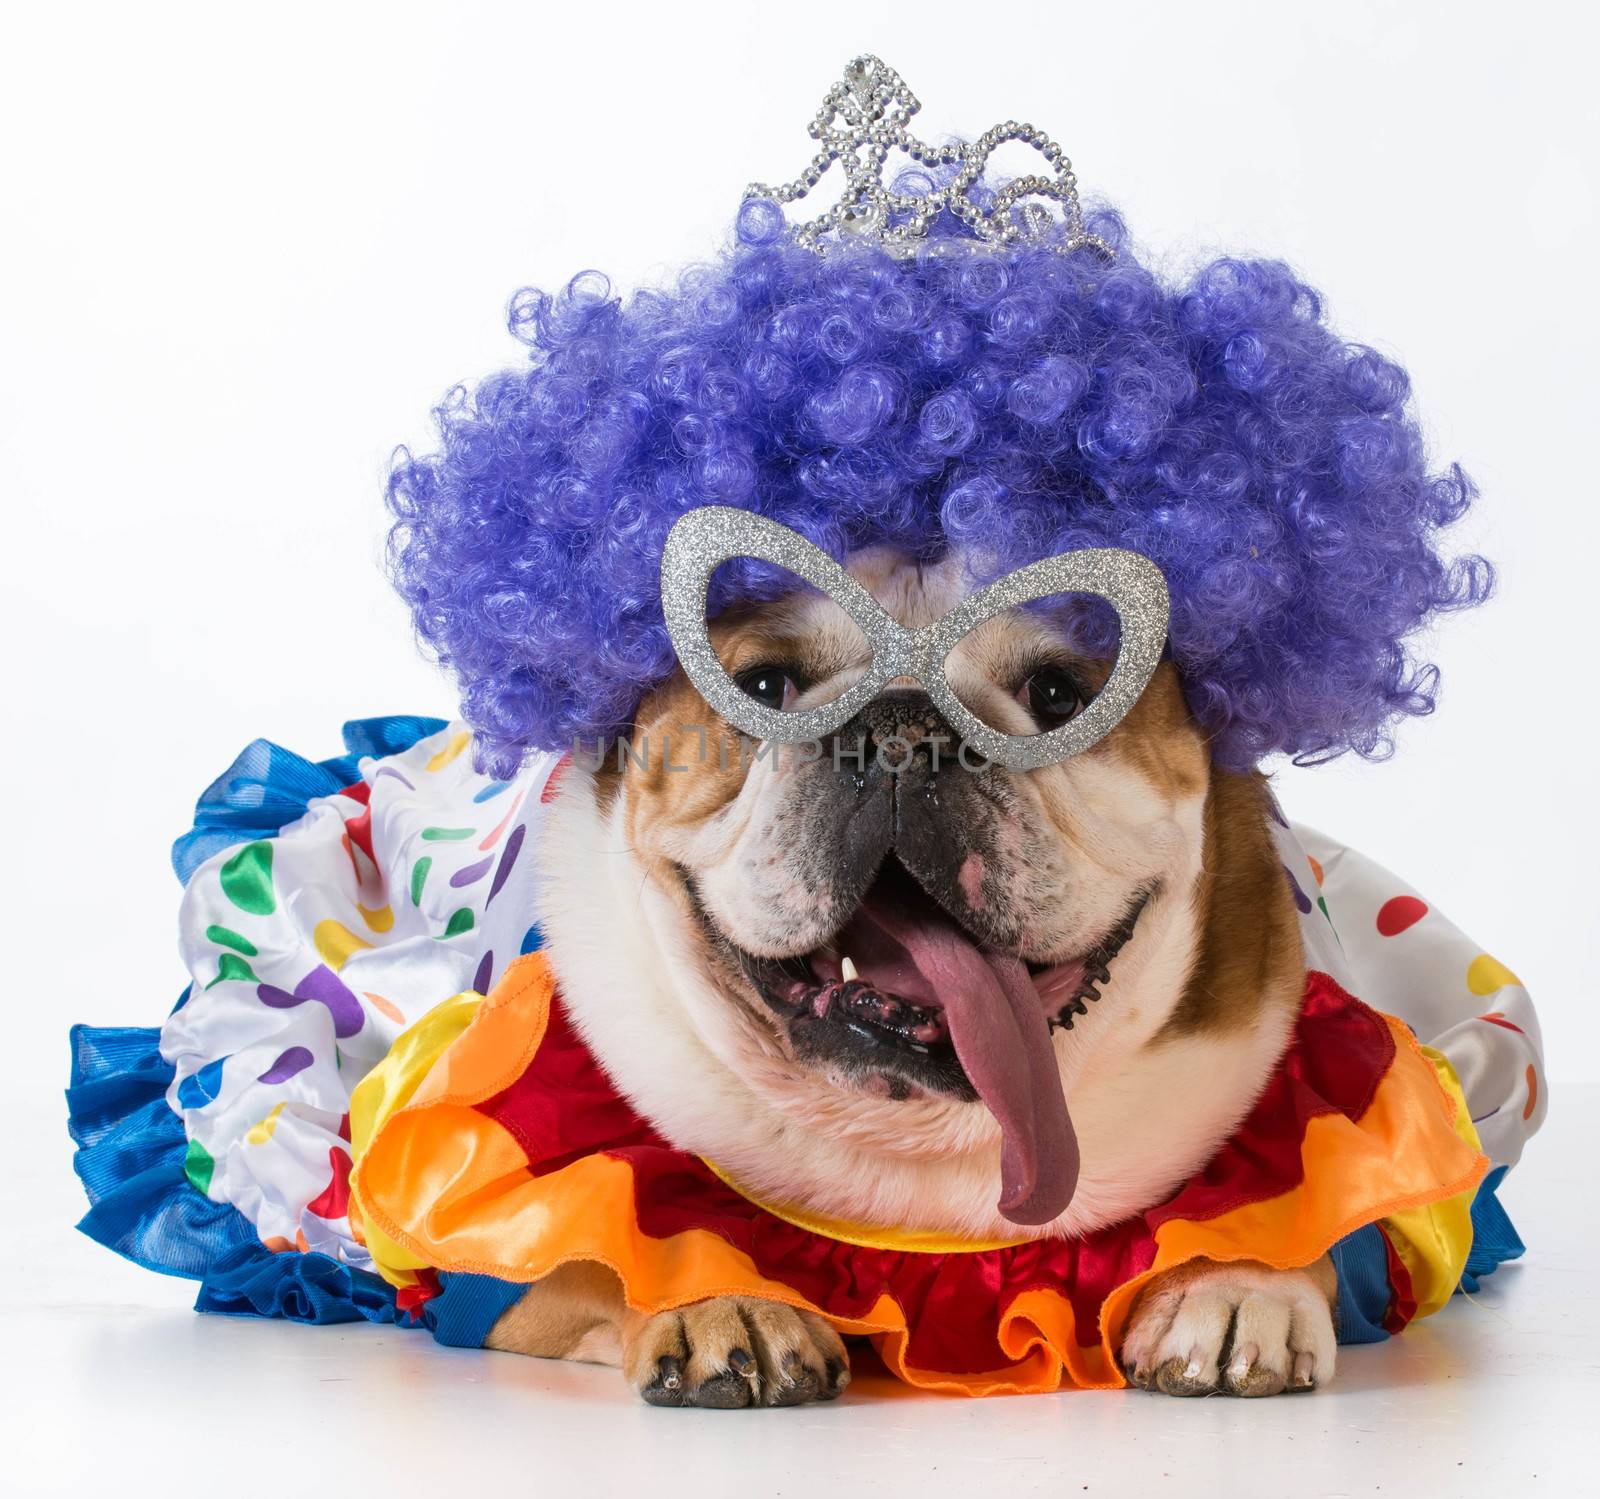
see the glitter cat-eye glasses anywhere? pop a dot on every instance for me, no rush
(702, 540)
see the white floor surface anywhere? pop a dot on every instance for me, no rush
(113, 1387)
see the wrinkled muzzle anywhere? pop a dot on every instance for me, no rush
(927, 941)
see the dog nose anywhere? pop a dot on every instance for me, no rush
(894, 732)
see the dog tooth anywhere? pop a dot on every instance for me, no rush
(847, 970)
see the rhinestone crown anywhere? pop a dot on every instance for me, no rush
(864, 116)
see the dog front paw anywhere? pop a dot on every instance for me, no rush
(1232, 1329)
(734, 1352)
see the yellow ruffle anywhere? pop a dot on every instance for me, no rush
(864, 1235)
(389, 1087)
(1434, 1240)
(437, 1182)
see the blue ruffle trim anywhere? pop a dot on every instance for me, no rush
(1362, 1264)
(131, 1159)
(1361, 1274)
(268, 787)
(467, 1307)
(132, 1149)
(1494, 1239)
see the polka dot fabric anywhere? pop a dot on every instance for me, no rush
(312, 950)
(1406, 957)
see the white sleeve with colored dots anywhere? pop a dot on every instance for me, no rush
(1409, 960)
(313, 949)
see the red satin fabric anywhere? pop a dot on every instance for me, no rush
(564, 1107)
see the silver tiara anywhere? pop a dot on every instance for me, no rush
(864, 116)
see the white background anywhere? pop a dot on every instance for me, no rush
(246, 248)
(250, 248)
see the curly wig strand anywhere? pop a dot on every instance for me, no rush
(1016, 403)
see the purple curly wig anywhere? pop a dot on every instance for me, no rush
(1020, 400)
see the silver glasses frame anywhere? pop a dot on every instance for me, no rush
(703, 539)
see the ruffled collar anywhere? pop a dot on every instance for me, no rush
(499, 1146)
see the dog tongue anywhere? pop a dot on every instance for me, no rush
(998, 1026)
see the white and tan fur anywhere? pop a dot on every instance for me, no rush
(1157, 1074)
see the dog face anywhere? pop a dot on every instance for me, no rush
(882, 942)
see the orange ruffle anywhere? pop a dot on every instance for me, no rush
(498, 1147)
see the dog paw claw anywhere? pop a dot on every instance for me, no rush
(1236, 1329)
(667, 1386)
(736, 1353)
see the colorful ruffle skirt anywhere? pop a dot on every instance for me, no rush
(369, 1104)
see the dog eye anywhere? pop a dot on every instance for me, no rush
(770, 686)
(1051, 695)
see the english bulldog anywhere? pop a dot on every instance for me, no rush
(894, 984)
